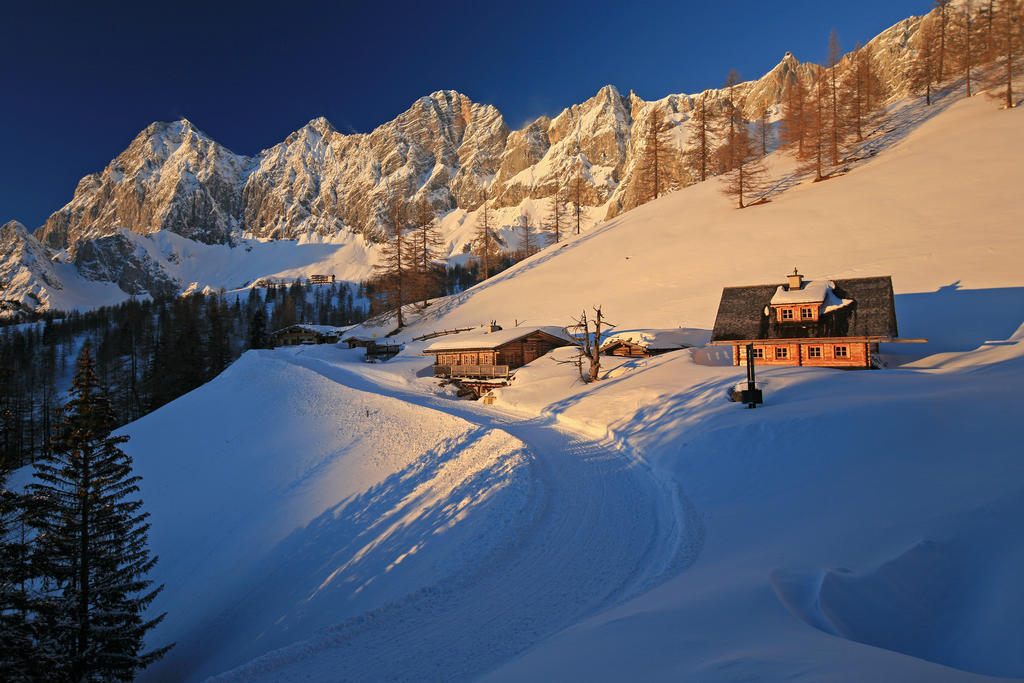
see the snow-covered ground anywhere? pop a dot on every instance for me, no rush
(320, 518)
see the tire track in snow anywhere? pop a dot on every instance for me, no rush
(607, 530)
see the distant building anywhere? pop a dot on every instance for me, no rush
(829, 323)
(493, 354)
(321, 279)
(642, 343)
(301, 333)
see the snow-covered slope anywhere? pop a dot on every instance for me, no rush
(858, 526)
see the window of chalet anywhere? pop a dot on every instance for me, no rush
(786, 313)
(806, 313)
(814, 352)
(841, 352)
(781, 352)
(758, 352)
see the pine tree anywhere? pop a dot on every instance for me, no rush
(91, 542)
(258, 338)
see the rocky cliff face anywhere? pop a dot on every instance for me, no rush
(445, 148)
(26, 271)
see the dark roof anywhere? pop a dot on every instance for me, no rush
(741, 313)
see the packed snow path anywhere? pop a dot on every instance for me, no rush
(605, 529)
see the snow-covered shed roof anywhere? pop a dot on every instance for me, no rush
(319, 329)
(673, 338)
(467, 341)
(856, 307)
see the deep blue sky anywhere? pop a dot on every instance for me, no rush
(79, 80)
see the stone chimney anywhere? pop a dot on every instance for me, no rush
(796, 280)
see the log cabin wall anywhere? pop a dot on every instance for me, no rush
(837, 354)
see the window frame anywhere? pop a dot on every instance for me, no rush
(784, 350)
(814, 352)
(841, 351)
(809, 310)
(786, 314)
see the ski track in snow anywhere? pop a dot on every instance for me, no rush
(606, 530)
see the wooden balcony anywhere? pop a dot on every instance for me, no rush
(471, 371)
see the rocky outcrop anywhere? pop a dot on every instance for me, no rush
(118, 259)
(26, 271)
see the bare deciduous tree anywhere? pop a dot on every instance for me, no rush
(426, 249)
(654, 161)
(587, 335)
(796, 115)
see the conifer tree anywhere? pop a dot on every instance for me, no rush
(942, 22)
(654, 160)
(396, 259)
(577, 195)
(556, 216)
(426, 248)
(91, 542)
(486, 240)
(702, 131)
(796, 114)
(964, 42)
(862, 92)
(923, 70)
(527, 236)
(258, 338)
(740, 152)
(835, 114)
(1008, 38)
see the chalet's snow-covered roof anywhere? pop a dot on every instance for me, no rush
(813, 292)
(491, 340)
(673, 338)
(855, 307)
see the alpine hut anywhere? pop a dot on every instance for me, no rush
(825, 323)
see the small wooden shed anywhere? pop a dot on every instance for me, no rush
(493, 354)
(643, 343)
(301, 333)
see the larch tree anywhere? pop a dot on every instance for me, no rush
(527, 236)
(964, 43)
(426, 250)
(835, 113)
(1007, 26)
(654, 160)
(576, 194)
(942, 24)
(395, 267)
(761, 130)
(817, 131)
(862, 92)
(91, 542)
(740, 152)
(554, 225)
(699, 156)
(796, 117)
(923, 68)
(486, 240)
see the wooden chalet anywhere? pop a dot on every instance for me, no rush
(491, 354)
(825, 323)
(293, 335)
